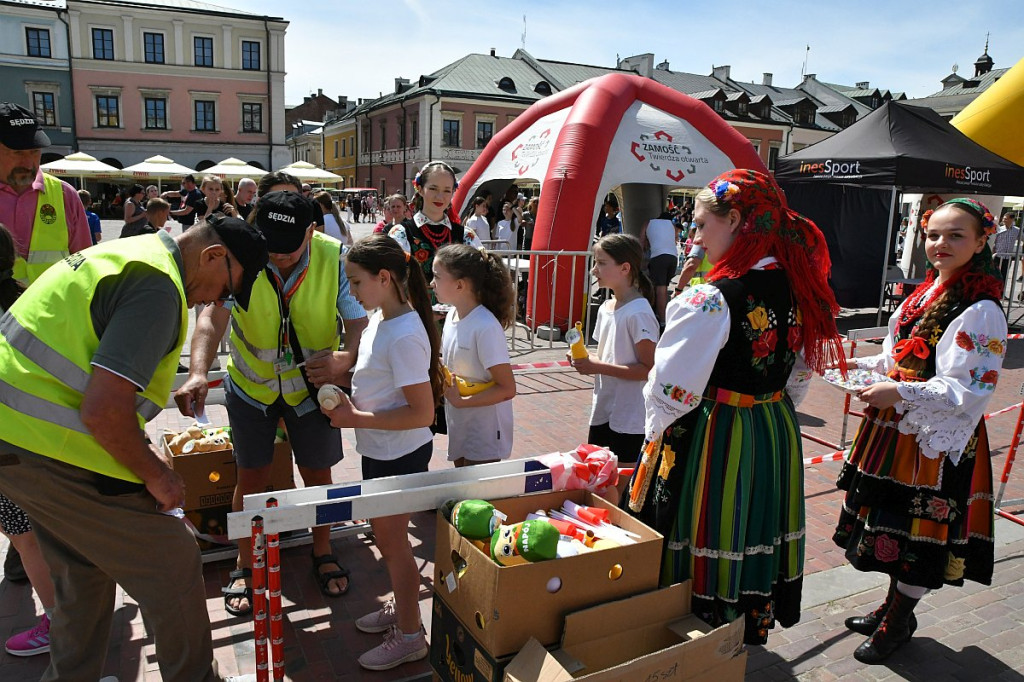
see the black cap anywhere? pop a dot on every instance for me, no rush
(20, 129)
(247, 245)
(284, 217)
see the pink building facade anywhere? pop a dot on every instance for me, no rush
(196, 83)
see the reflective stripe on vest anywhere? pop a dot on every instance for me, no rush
(47, 342)
(256, 332)
(49, 242)
(58, 366)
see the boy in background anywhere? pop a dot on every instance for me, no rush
(95, 229)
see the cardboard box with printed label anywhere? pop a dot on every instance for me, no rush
(503, 606)
(648, 637)
(210, 476)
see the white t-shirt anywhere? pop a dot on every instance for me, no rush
(332, 228)
(618, 402)
(479, 224)
(469, 348)
(392, 354)
(661, 235)
(504, 231)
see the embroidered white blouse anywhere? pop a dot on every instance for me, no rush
(697, 327)
(944, 410)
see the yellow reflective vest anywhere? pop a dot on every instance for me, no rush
(256, 338)
(47, 342)
(49, 241)
(702, 271)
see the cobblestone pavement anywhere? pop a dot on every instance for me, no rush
(969, 633)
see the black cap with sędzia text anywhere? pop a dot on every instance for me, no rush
(20, 129)
(284, 217)
(248, 247)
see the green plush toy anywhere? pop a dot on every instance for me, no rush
(475, 519)
(526, 542)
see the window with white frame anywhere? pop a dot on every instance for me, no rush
(451, 132)
(44, 106)
(252, 117)
(103, 43)
(156, 113)
(37, 42)
(203, 50)
(153, 47)
(205, 114)
(108, 111)
(250, 55)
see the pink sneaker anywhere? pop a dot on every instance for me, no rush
(395, 650)
(31, 642)
(378, 621)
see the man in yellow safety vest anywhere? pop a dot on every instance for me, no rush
(88, 355)
(44, 214)
(284, 346)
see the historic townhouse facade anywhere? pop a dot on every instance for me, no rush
(35, 71)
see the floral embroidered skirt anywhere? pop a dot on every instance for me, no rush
(924, 521)
(728, 497)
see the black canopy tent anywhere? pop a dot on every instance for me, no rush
(896, 147)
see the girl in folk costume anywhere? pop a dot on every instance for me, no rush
(432, 226)
(918, 480)
(721, 475)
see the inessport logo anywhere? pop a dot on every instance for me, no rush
(526, 154)
(659, 151)
(965, 175)
(832, 169)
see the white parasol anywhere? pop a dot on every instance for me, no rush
(234, 169)
(307, 172)
(158, 167)
(80, 165)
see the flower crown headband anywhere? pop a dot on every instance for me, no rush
(974, 207)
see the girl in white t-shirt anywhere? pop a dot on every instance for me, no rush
(396, 384)
(626, 333)
(473, 347)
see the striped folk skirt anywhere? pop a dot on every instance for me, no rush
(728, 496)
(924, 521)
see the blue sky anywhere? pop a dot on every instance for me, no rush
(358, 48)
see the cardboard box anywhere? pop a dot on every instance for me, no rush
(455, 655)
(210, 476)
(650, 636)
(503, 606)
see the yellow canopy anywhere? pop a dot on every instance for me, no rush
(995, 120)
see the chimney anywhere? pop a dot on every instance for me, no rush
(494, 52)
(863, 85)
(305, 99)
(767, 79)
(400, 83)
(721, 72)
(809, 77)
(662, 66)
(343, 101)
(319, 92)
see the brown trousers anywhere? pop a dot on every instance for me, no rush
(93, 542)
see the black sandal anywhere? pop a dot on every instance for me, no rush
(324, 579)
(235, 591)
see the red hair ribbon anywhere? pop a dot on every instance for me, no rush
(914, 345)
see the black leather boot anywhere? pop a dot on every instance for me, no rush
(892, 632)
(866, 625)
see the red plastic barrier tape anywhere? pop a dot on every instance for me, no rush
(832, 457)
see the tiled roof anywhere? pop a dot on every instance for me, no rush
(984, 82)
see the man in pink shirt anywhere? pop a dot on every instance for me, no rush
(44, 214)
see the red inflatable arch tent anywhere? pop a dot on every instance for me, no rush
(618, 130)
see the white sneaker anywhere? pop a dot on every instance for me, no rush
(378, 621)
(395, 650)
